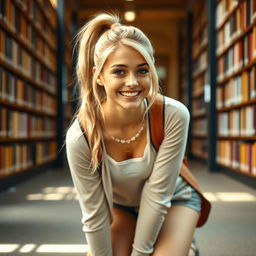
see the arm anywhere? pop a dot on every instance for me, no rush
(160, 186)
(90, 193)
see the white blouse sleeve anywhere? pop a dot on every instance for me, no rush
(160, 186)
(92, 200)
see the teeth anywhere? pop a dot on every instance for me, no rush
(129, 94)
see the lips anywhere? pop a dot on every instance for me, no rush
(130, 93)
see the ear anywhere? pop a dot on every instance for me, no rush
(99, 80)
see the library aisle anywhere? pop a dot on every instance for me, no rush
(41, 217)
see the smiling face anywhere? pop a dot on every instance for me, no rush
(126, 78)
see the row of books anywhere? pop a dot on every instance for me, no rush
(245, 11)
(238, 122)
(223, 10)
(226, 37)
(18, 157)
(237, 56)
(200, 64)
(26, 17)
(200, 22)
(33, 39)
(238, 89)
(198, 84)
(238, 155)
(45, 5)
(15, 124)
(198, 105)
(199, 127)
(200, 42)
(199, 147)
(21, 58)
(21, 93)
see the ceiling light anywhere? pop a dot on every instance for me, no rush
(129, 16)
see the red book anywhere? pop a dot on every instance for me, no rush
(250, 47)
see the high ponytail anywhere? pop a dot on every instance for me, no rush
(95, 41)
(89, 113)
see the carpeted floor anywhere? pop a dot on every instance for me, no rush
(42, 217)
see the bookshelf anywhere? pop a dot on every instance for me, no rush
(182, 63)
(28, 86)
(69, 104)
(236, 86)
(199, 59)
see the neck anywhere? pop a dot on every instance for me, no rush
(123, 118)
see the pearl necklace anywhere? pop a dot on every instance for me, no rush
(133, 138)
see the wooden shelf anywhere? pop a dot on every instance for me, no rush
(46, 15)
(200, 50)
(199, 115)
(236, 73)
(198, 32)
(25, 45)
(199, 136)
(221, 25)
(239, 37)
(199, 73)
(35, 26)
(249, 138)
(23, 170)
(198, 94)
(20, 74)
(200, 156)
(23, 140)
(237, 170)
(26, 109)
(243, 104)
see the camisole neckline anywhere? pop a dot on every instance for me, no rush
(135, 159)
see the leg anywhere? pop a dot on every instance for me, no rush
(177, 232)
(122, 232)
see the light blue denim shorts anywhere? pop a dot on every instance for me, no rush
(194, 203)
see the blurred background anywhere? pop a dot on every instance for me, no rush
(205, 55)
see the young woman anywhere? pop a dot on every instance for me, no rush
(133, 200)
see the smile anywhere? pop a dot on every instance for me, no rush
(130, 94)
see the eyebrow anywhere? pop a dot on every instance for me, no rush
(125, 66)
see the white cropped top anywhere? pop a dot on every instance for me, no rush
(129, 176)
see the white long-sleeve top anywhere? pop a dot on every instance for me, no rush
(95, 191)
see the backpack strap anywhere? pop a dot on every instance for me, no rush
(157, 120)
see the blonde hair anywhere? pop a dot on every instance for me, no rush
(96, 40)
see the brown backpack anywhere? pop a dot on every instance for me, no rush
(157, 120)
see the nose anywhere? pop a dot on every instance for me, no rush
(132, 80)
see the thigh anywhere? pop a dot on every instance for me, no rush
(122, 232)
(177, 232)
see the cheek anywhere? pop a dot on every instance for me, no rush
(147, 81)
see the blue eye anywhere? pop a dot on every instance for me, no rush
(119, 72)
(143, 71)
